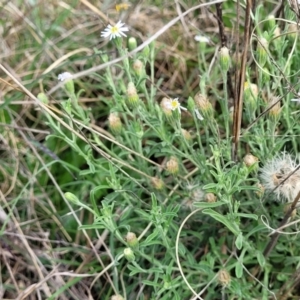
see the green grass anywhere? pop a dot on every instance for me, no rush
(105, 190)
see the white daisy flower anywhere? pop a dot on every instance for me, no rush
(276, 177)
(64, 76)
(114, 31)
(201, 39)
(174, 104)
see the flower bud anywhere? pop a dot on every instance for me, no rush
(261, 189)
(250, 96)
(129, 255)
(115, 123)
(172, 165)
(287, 207)
(224, 59)
(69, 83)
(132, 96)
(132, 240)
(250, 160)
(71, 197)
(262, 47)
(132, 43)
(293, 31)
(271, 22)
(224, 278)
(186, 135)
(203, 105)
(157, 183)
(274, 112)
(138, 67)
(210, 197)
(43, 98)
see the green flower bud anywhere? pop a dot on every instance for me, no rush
(129, 255)
(250, 96)
(132, 240)
(138, 67)
(224, 59)
(115, 123)
(71, 197)
(271, 22)
(132, 43)
(132, 96)
(43, 98)
(262, 47)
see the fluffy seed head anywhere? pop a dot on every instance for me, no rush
(276, 173)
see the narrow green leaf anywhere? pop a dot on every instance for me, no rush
(207, 204)
(260, 258)
(223, 219)
(238, 270)
(239, 241)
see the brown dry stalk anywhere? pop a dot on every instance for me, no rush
(238, 103)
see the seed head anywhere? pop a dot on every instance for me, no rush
(250, 160)
(224, 278)
(277, 176)
(210, 197)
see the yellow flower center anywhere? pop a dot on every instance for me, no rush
(114, 29)
(174, 104)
